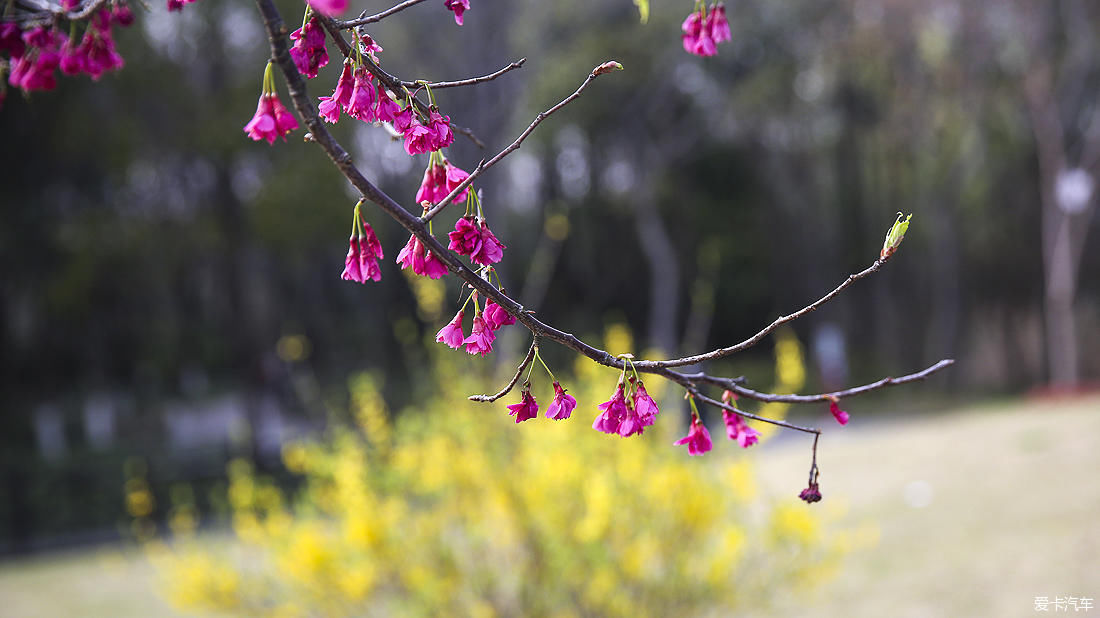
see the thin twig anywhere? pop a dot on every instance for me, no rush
(758, 337)
(364, 19)
(742, 413)
(504, 391)
(481, 167)
(473, 80)
(851, 392)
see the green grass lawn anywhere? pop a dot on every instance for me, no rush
(977, 511)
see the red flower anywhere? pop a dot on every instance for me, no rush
(476, 241)
(840, 415)
(811, 494)
(452, 334)
(329, 8)
(434, 185)
(352, 272)
(644, 406)
(309, 53)
(455, 176)
(481, 338)
(329, 108)
(439, 127)
(418, 138)
(697, 35)
(718, 24)
(562, 405)
(458, 7)
(403, 119)
(421, 261)
(496, 316)
(527, 408)
(738, 430)
(387, 109)
(614, 410)
(271, 120)
(698, 438)
(362, 97)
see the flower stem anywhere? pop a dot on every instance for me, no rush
(543, 363)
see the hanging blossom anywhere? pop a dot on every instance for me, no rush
(736, 427)
(440, 178)
(698, 438)
(422, 261)
(40, 56)
(481, 337)
(527, 408)
(629, 411)
(473, 238)
(308, 52)
(840, 415)
(177, 5)
(496, 316)
(272, 119)
(562, 405)
(364, 252)
(452, 334)
(702, 31)
(329, 107)
(458, 7)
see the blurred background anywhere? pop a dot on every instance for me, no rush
(171, 303)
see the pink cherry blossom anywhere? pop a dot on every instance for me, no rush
(434, 185)
(476, 241)
(697, 35)
(370, 251)
(452, 334)
(614, 410)
(481, 338)
(403, 119)
(362, 97)
(122, 15)
(418, 138)
(309, 53)
(562, 405)
(439, 127)
(718, 24)
(527, 408)
(698, 438)
(738, 430)
(455, 177)
(645, 406)
(496, 316)
(840, 415)
(387, 109)
(329, 8)
(11, 39)
(270, 121)
(352, 271)
(423, 262)
(329, 108)
(458, 7)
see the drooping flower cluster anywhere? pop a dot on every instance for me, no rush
(563, 404)
(272, 119)
(422, 261)
(35, 54)
(440, 178)
(629, 411)
(811, 494)
(702, 31)
(308, 52)
(364, 252)
(472, 237)
(483, 330)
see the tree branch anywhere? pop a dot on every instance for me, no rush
(363, 19)
(473, 80)
(482, 166)
(758, 337)
(742, 413)
(519, 370)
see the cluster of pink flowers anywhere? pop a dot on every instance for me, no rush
(482, 331)
(308, 52)
(422, 261)
(271, 120)
(37, 53)
(703, 31)
(329, 8)
(629, 411)
(458, 7)
(421, 137)
(439, 180)
(363, 255)
(811, 494)
(472, 237)
(560, 408)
